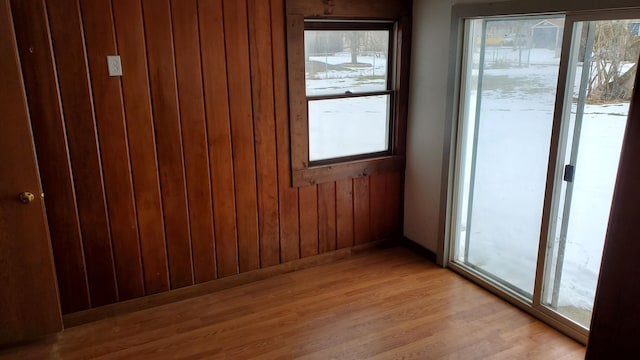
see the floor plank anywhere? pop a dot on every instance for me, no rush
(383, 304)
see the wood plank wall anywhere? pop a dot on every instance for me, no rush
(178, 172)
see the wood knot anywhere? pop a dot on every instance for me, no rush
(328, 7)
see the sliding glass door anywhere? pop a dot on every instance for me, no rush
(601, 71)
(541, 122)
(509, 93)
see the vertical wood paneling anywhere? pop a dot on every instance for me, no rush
(308, 220)
(361, 211)
(239, 83)
(142, 144)
(344, 213)
(164, 94)
(290, 234)
(182, 166)
(86, 164)
(395, 207)
(194, 135)
(48, 126)
(386, 208)
(100, 37)
(265, 130)
(219, 131)
(326, 217)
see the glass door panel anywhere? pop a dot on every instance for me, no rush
(602, 67)
(508, 97)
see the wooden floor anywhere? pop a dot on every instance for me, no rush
(383, 304)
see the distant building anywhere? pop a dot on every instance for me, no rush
(547, 34)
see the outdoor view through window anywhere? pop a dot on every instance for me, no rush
(347, 88)
(508, 110)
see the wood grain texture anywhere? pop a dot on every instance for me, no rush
(242, 134)
(326, 217)
(164, 95)
(297, 96)
(114, 148)
(361, 211)
(182, 167)
(350, 9)
(45, 109)
(219, 131)
(104, 312)
(402, 78)
(614, 326)
(290, 235)
(142, 143)
(29, 305)
(265, 130)
(194, 135)
(308, 207)
(387, 304)
(67, 33)
(386, 205)
(344, 213)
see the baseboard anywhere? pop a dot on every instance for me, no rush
(419, 249)
(129, 306)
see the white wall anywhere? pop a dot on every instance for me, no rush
(425, 128)
(428, 104)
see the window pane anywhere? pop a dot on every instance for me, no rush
(602, 67)
(341, 61)
(508, 104)
(349, 126)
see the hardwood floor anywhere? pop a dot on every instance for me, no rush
(383, 304)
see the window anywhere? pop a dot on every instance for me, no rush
(543, 106)
(348, 77)
(349, 97)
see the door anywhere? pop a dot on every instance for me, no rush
(540, 132)
(507, 108)
(600, 79)
(29, 305)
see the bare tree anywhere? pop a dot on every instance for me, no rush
(613, 47)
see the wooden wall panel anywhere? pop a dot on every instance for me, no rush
(48, 127)
(326, 217)
(308, 213)
(361, 211)
(182, 166)
(142, 143)
(265, 130)
(344, 213)
(240, 106)
(67, 33)
(219, 129)
(386, 204)
(164, 95)
(194, 134)
(112, 135)
(290, 234)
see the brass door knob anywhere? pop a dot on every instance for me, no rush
(26, 197)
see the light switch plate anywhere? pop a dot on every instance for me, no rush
(115, 65)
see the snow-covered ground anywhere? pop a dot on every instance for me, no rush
(340, 127)
(513, 148)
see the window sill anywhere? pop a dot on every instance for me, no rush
(347, 170)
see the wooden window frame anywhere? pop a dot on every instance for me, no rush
(351, 12)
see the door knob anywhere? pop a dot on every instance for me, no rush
(26, 197)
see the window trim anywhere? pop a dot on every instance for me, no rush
(304, 172)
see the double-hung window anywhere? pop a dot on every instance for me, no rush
(348, 85)
(348, 90)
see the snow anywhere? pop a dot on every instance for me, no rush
(340, 127)
(509, 188)
(513, 151)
